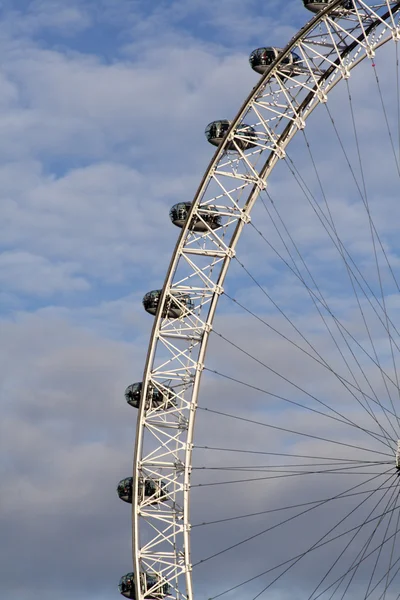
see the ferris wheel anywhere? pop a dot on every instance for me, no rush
(298, 415)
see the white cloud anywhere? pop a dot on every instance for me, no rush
(29, 274)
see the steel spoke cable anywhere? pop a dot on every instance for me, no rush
(287, 474)
(381, 579)
(318, 299)
(242, 451)
(263, 424)
(341, 248)
(291, 560)
(270, 369)
(272, 468)
(386, 587)
(319, 544)
(365, 546)
(376, 401)
(282, 508)
(355, 566)
(347, 384)
(385, 115)
(298, 560)
(398, 96)
(391, 558)
(323, 301)
(357, 560)
(377, 561)
(287, 520)
(391, 565)
(374, 233)
(326, 224)
(337, 322)
(316, 208)
(365, 202)
(385, 435)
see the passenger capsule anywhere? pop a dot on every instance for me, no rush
(177, 304)
(262, 58)
(179, 212)
(151, 584)
(154, 490)
(155, 397)
(245, 135)
(124, 490)
(317, 5)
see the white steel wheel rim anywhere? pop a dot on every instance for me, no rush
(330, 47)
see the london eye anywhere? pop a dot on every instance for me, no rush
(266, 457)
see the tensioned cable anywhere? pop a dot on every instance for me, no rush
(342, 249)
(326, 224)
(320, 299)
(385, 116)
(366, 545)
(272, 370)
(374, 233)
(316, 209)
(323, 301)
(355, 566)
(287, 520)
(376, 563)
(361, 554)
(319, 545)
(384, 591)
(385, 409)
(391, 558)
(398, 97)
(282, 508)
(363, 196)
(322, 217)
(344, 381)
(273, 468)
(372, 228)
(242, 451)
(316, 546)
(287, 474)
(343, 419)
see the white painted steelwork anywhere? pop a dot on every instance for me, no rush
(329, 46)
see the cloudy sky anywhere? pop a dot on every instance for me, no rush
(103, 105)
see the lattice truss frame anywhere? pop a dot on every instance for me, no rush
(330, 46)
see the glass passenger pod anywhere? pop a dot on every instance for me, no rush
(154, 490)
(151, 584)
(244, 134)
(179, 213)
(124, 490)
(317, 5)
(262, 58)
(156, 398)
(176, 306)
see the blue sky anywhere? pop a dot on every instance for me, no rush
(103, 106)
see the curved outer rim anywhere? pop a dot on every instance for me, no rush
(272, 159)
